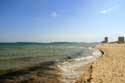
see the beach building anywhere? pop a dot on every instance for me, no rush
(105, 40)
(121, 39)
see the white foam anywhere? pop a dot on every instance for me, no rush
(69, 73)
(96, 53)
(70, 69)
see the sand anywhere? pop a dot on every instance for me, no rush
(109, 68)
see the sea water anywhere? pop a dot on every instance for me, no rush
(68, 56)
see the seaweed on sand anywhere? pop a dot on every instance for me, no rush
(46, 72)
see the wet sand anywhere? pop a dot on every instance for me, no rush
(109, 68)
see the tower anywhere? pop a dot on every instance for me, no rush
(121, 39)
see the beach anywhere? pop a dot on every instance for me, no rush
(108, 68)
(44, 63)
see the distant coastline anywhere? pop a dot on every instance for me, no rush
(48, 42)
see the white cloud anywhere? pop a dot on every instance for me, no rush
(106, 10)
(54, 14)
(110, 9)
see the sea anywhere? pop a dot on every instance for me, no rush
(56, 60)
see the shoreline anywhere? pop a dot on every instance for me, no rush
(108, 68)
(55, 72)
(88, 69)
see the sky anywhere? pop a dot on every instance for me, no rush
(61, 20)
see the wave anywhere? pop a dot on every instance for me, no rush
(72, 69)
(66, 70)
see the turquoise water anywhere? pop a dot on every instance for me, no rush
(21, 55)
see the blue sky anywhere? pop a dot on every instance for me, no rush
(61, 20)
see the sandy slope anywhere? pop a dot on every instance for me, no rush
(109, 68)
